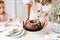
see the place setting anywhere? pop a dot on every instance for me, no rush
(12, 29)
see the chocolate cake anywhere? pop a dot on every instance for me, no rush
(33, 25)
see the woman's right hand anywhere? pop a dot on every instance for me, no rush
(25, 21)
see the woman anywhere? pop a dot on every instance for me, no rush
(35, 9)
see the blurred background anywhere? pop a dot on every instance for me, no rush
(15, 8)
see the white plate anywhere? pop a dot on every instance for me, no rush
(19, 34)
(56, 28)
(8, 31)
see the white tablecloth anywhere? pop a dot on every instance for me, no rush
(44, 34)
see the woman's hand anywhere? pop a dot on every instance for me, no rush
(25, 22)
(28, 8)
(44, 23)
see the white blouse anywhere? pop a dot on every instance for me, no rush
(47, 8)
(27, 1)
(37, 8)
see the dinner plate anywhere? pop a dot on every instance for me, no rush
(18, 34)
(9, 32)
(56, 28)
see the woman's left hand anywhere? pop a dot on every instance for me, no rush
(44, 23)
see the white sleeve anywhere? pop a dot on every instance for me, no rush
(27, 1)
(47, 8)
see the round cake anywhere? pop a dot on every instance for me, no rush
(33, 25)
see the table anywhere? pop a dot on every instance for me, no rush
(44, 34)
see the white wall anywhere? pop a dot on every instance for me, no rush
(10, 7)
(15, 8)
(20, 9)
